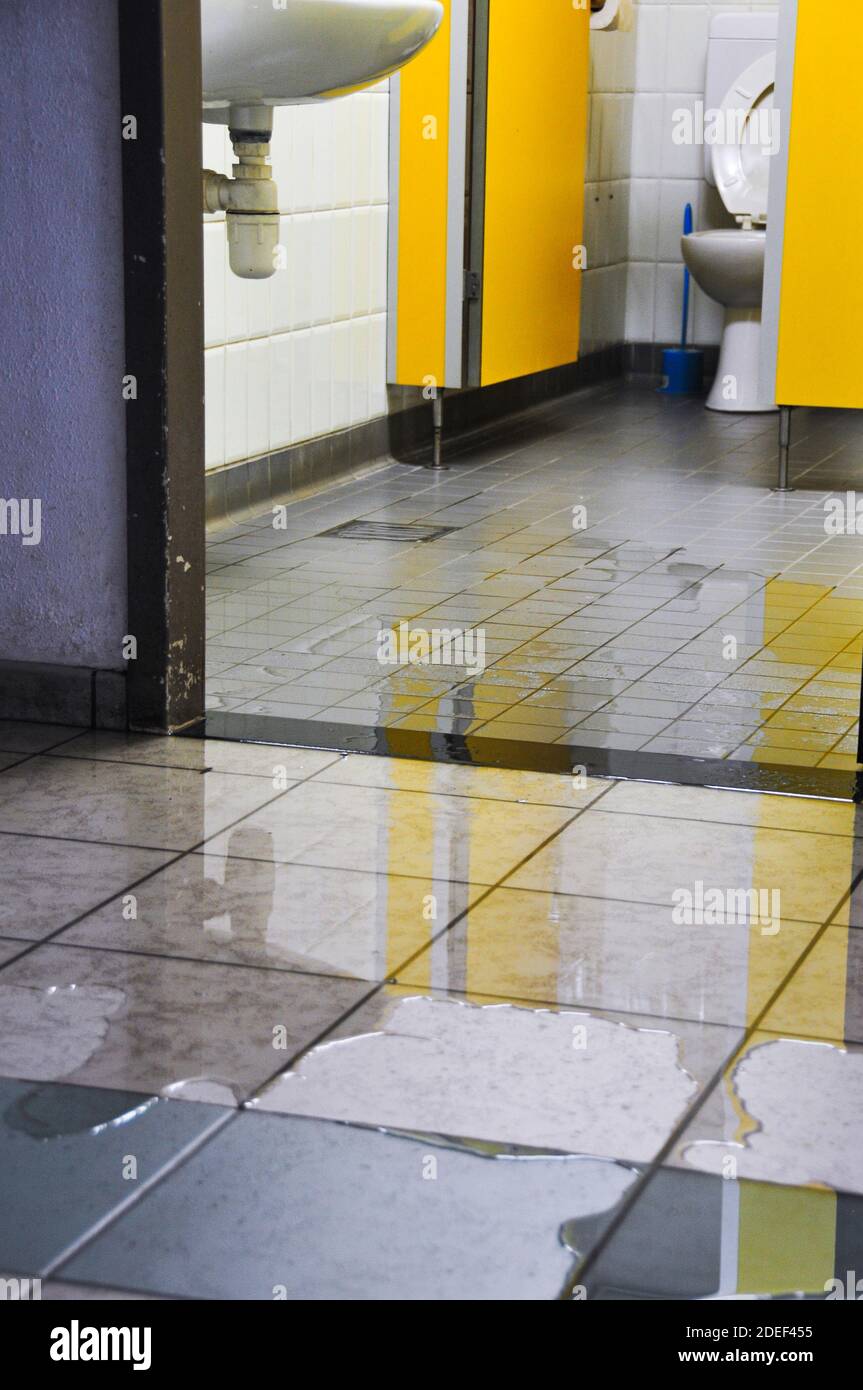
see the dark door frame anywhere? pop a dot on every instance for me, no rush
(160, 75)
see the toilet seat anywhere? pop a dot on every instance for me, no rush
(741, 167)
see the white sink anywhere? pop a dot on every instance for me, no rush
(281, 52)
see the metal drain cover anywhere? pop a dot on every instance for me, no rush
(388, 531)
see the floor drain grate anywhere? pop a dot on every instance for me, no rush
(388, 531)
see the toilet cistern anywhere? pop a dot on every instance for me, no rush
(259, 54)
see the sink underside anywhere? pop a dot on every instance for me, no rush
(255, 53)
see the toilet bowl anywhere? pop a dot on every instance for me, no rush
(728, 264)
(729, 267)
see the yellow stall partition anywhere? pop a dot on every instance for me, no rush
(813, 304)
(488, 140)
(535, 152)
(428, 125)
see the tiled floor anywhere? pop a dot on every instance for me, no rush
(280, 1023)
(635, 581)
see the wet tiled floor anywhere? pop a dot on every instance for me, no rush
(634, 581)
(282, 1023)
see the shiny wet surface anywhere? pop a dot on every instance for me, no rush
(693, 612)
(276, 1019)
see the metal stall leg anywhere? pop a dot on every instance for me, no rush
(783, 484)
(437, 407)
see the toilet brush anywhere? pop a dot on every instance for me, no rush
(683, 367)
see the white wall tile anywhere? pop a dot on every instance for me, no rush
(324, 156)
(669, 303)
(302, 370)
(640, 300)
(652, 49)
(342, 263)
(647, 135)
(271, 381)
(674, 194)
(679, 161)
(301, 192)
(215, 269)
(282, 412)
(282, 283)
(236, 402)
(688, 28)
(341, 358)
(378, 271)
(214, 402)
(378, 366)
(319, 267)
(361, 259)
(380, 149)
(360, 331)
(322, 376)
(361, 150)
(643, 219)
(258, 367)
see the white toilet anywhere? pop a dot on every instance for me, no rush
(727, 264)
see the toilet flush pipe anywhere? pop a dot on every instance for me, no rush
(249, 197)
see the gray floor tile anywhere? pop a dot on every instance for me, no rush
(150, 807)
(201, 755)
(10, 949)
(693, 1235)
(65, 1152)
(22, 737)
(639, 859)
(135, 1022)
(354, 827)
(46, 883)
(603, 954)
(278, 916)
(340, 1213)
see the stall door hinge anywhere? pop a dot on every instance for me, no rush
(472, 284)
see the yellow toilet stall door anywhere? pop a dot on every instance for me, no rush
(488, 141)
(820, 329)
(536, 139)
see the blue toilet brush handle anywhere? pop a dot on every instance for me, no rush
(687, 228)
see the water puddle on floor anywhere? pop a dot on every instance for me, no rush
(55, 1112)
(795, 1093)
(49, 1033)
(211, 1090)
(529, 1077)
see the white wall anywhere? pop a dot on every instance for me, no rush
(607, 189)
(304, 353)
